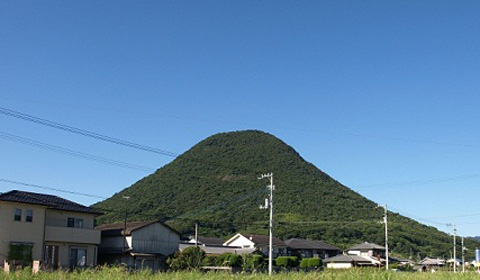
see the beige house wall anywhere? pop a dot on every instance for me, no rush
(64, 252)
(51, 222)
(59, 218)
(21, 231)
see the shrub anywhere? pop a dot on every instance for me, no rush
(229, 259)
(282, 261)
(294, 261)
(305, 263)
(287, 261)
(252, 262)
(190, 258)
(311, 263)
(21, 253)
(210, 260)
(315, 262)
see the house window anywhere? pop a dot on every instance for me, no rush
(75, 222)
(78, 257)
(29, 216)
(78, 223)
(18, 215)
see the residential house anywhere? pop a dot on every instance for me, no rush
(347, 261)
(364, 254)
(367, 249)
(214, 246)
(311, 248)
(56, 231)
(137, 244)
(257, 242)
(430, 263)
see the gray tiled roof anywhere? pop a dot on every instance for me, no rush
(50, 201)
(367, 246)
(299, 243)
(210, 240)
(118, 228)
(346, 259)
(431, 261)
(264, 240)
(218, 250)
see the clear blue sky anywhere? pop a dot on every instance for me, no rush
(371, 92)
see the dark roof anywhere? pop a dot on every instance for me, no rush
(264, 240)
(209, 240)
(118, 228)
(218, 250)
(299, 244)
(367, 246)
(50, 201)
(346, 258)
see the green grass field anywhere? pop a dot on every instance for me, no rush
(120, 273)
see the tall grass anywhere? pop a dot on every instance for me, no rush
(119, 273)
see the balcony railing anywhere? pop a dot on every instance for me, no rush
(72, 235)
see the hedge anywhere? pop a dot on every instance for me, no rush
(287, 261)
(311, 263)
(252, 261)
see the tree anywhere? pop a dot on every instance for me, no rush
(190, 259)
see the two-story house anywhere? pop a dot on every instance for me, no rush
(56, 231)
(258, 242)
(363, 254)
(367, 250)
(137, 244)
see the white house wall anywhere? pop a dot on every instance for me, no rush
(241, 241)
(339, 265)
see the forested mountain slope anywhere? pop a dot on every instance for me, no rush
(215, 184)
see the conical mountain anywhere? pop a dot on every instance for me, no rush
(215, 183)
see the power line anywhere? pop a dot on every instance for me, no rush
(419, 218)
(457, 216)
(51, 189)
(84, 132)
(349, 134)
(57, 149)
(102, 137)
(117, 141)
(427, 181)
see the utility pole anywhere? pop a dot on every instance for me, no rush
(196, 234)
(269, 204)
(125, 225)
(385, 221)
(463, 256)
(454, 247)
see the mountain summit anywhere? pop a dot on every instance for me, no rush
(215, 184)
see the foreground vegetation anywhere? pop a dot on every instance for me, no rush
(120, 273)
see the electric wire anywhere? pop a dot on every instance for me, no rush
(84, 132)
(51, 189)
(324, 132)
(61, 150)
